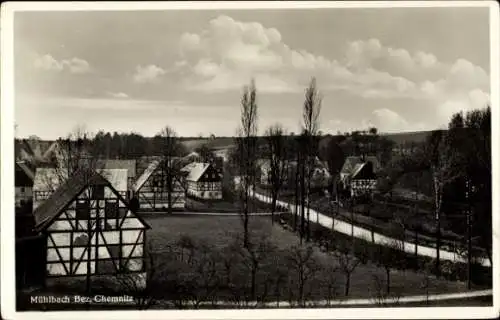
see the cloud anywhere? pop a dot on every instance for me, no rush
(77, 65)
(386, 120)
(118, 95)
(74, 65)
(148, 73)
(227, 53)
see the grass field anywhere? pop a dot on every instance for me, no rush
(218, 232)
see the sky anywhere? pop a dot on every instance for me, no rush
(398, 69)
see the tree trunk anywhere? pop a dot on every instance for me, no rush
(169, 192)
(347, 283)
(273, 206)
(388, 278)
(254, 280)
(438, 246)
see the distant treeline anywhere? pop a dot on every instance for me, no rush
(134, 145)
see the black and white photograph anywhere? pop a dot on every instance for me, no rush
(275, 157)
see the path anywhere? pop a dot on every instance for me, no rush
(362, 233)
(357, 302)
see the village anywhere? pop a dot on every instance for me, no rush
(82, 219)
(293, 156)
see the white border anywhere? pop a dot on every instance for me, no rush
(7, 163)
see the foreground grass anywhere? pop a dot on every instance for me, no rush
(218, 232)
(180, 284)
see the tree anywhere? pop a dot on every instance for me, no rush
(247, 149)
(302, 261)
(443, 173)
(253, 258)
(171, 148)
(277, 154)
(310, 127)
(390, 256)
(348, 262)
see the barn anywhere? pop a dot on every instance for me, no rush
(90, 230)
(152, 191)
(203, 181)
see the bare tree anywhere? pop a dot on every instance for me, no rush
(170, 150)
(303, 262)
(253, 258)
(73, 153)
(247, 154)
(310, 117)
(348, 262)
(443, 173)
(390, 256)
(277, 159)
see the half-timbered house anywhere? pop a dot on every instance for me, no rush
(90, 230)
(152, 188)
(362, 181)
(203, 181)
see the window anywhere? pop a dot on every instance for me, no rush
(110, 212)
(22, 190)
(98, 192)
(82, 210)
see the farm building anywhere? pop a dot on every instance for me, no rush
(48, 180)
(351, 162)
(203, 181)
(90, 229)
(24, 178)
(362, 179)
(152, 191)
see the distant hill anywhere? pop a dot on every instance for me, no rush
(406, 137)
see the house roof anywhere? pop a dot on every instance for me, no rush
(145, 175)
(48, 179)
(129, 165)
(364, 170)
(351, 162)
(117, 177)
(51, 207)
(197, 169)
(24, 177)
(34, 150)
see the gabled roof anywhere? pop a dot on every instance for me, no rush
(349, 164)
(363, 171)
(197, 169)
(63, 195)
(145, 175)
(129, 165)
(117, 177)
(50, 209)
(187, 168)
(24, 177)
(27, 170)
